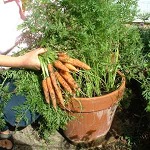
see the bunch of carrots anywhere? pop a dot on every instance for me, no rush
(58, 78)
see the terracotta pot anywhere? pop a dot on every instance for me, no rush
(93, 116)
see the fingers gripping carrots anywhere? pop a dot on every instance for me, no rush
(58, 77)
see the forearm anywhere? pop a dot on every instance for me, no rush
(29, 60)
(10, 61)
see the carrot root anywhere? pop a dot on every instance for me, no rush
(74, 62)
(62, 81)
(55, 85)
(68, 77)
(58, 64)
(71, 67)
(52, 92)
(46, 91)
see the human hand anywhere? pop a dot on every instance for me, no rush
(30, 60)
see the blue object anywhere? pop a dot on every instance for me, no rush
(10, 113)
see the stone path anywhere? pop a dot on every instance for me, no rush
(28, 139)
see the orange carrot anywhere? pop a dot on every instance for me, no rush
(45, 90)
(52, 92)
(56, 87)
(58, 64)
(63, 82)
(68, 77)
(74, 62)
(71, 67)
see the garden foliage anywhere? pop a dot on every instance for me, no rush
(94, 31)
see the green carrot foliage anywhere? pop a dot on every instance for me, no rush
(94, 31)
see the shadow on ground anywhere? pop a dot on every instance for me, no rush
(19, 145)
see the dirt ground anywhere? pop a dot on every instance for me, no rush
(137, 137)
(28, 139)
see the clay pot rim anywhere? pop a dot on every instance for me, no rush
(97, 103)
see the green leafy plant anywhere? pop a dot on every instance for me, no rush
(145, 36)
(93, 31)
(88, 30)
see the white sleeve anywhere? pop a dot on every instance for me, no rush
(10, 18)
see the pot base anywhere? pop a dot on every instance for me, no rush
(87, 127)
(90, 144)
